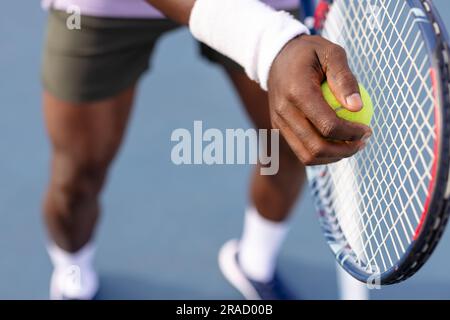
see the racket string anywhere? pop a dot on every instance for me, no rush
(386, 185)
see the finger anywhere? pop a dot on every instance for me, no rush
(294, 143)
(325, 161)
(316, 145)
(301, 152)
(311, 102)
(340, 78)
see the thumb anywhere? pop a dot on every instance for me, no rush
(341, 80)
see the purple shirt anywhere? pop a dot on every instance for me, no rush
(132, 8)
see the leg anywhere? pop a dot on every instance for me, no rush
(85, 138)
(96, 69)
(250, 264)
(273, 196)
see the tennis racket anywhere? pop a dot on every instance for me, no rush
(384, 210)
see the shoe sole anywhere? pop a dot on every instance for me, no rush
(233, 273)
(57, 294)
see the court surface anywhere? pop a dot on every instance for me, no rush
(162, 224)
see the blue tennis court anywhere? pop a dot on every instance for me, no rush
(162, 224)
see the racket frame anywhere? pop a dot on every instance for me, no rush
(437, 207)
(434, 219)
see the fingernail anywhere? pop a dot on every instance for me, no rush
(354, 101)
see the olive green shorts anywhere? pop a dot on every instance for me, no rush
(104, 57)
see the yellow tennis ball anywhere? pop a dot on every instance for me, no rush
(364, 116)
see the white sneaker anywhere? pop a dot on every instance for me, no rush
(73, 283)
(250, 289)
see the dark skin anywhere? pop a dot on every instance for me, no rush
(273, 196)
(86, 137)
(297, 107)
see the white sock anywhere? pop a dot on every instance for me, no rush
(349, 287)
(260, 245)
(74, 276)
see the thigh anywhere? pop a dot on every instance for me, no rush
(85, 137)
(254, 99)
(89, 77)
(256, 104)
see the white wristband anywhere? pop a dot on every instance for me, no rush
(247, 31)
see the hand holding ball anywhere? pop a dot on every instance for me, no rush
(364, 116)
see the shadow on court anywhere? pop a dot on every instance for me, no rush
(128, 287)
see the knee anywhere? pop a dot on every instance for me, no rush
(76, 180)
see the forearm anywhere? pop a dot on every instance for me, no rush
(248, 31)
(267, 45)
(177, 10)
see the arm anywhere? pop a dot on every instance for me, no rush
(177, 10)
(292, 72)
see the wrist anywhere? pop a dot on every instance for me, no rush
(247, 31)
